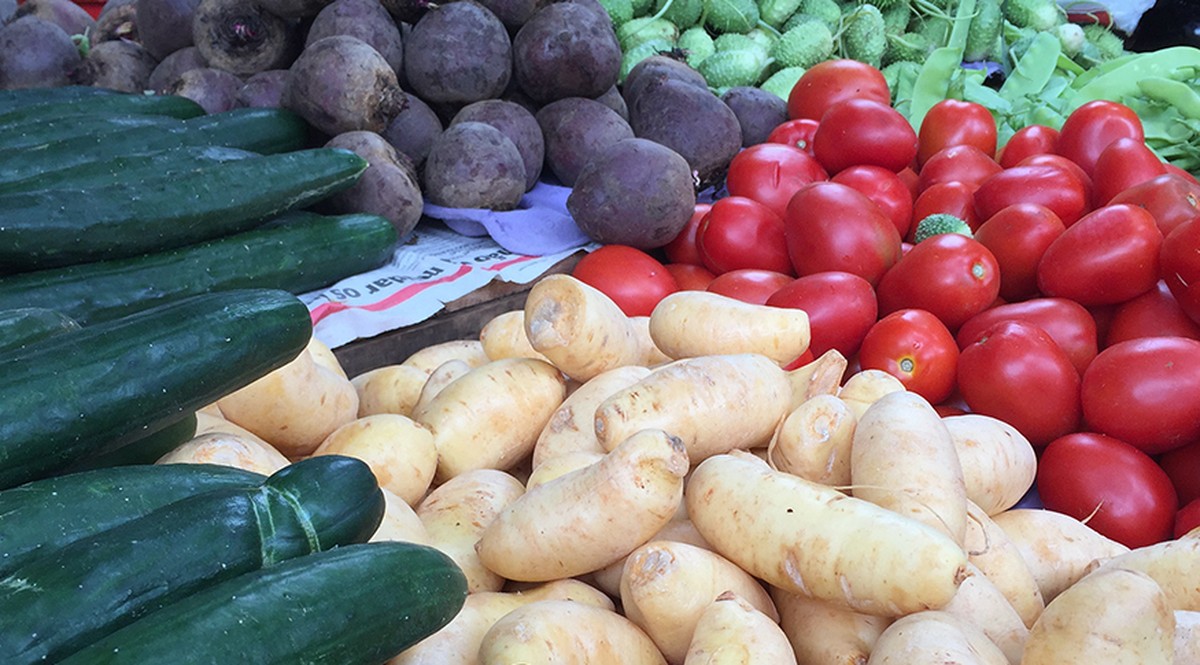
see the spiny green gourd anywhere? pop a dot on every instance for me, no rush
(907, 46)
(765, 38)
(642, 7)
(827, 10)
(896, 17)
(775, 12)
(696, 44)
(804, 45)
(726, 69)
(984, 33)
(1108, 45)
(782, 81)
(644, 29)
(730, 15)
(1040, 15)
(863, 35)
(641, 52)
(939, 223)
(683, 13)
(935, 28)
(620, 11)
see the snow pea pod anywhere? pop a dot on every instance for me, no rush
(1123, 81)
(1176, 94)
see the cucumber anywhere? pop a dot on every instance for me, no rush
(33, 133)
(68, 598)
(174, 162)
(167, 105)
(354, 605)
(55, 228)
(23, 325)
(45, 515)
(145, 449)
(69, 396)
(257, 130)
(299, 252)
(14, 99)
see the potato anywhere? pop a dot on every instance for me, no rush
(430, 357)
(934, 638)
(503, 336)
(813, 441)
(824, 633)
(651, 354)
(679, 530)
(1174, 564)
(1113, 616)
(991, 551)
(1058, 549)
(581, 330)
(441, 377)
(864, 387)
(400, 522)
(561, 465)
(399, 451)
(812, 540)
(822, 376)
(227, 449)
(325, 357)
(389, 389)
(1187, 638)
(589, 518)
(456, 513)
(565, 632)
(998, 462)
(731, 631)
(980, 603)
(686, 324)
(572, 428)
(207, 421)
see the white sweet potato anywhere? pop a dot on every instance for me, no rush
(389, 389)
(998, 462)
(430, 357)
(651, 354)
(442, 376)
(399, 451)
(822, 376)
(934, 638)
(565, 632)
(572, 427)
(228, 449)
(580, 329)
(687, 324)
(1174, 564)
(731, 631)
(561, 465)
(864, 387)
(503, 336)
(991, 551)
(1058, 549)
(814, 441)
(980, 603)
(1187, 638)
(400, 522)
(678, 530)
(825, 633)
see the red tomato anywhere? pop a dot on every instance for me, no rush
(883, 187)
(1067, 322)
(1053, 187)
(1187, 519)
(797, 133)
(951, 198)
(1123, 164)
(964, 163)
(841, 308)
(800, 361)
(1170, 198)
(690, 277)
(771, 173)
(1107, 257)
(1146, 392)
(1017, 373)
(829, 82)
(1091, 127)
(1155, 313)
(633, 279)
(1018, 236)
(749, 284)
(682, 248)
(863, 131)
(1175, 170)
(742, 233)
(1128, 498)
(952, 122)
(1180, 266)
(910, 179)
(1085, 180)
(914, 346)
(1029, 140)
(950, 275)
(1182, 465)
(830, 226)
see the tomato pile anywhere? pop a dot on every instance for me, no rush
(1071, 310)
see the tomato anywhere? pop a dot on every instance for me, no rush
(690, 277)
(862, 131)
(742, 233)
(1127, 497)
(771, 173)
(950, 275)
(910, 179)
(953, 122)
(829, 226)
(1175, 170)
(1180, 266)
(1123, 164)
(1145, 391)
(1187, 519)
(829, 82)
(1085, 180)
(952, 198)
(1068, 323)
(1050, 186)
(883, 187)
(1089, 129)
(800, 361)
(964, 163)
(749, 284)
(1017, 373)
(1182, 465)
(914, 346)
(1171, 199)
(841, 308)
(633, 279)
(1029, 140)
(797, 133)
(1018, 236)
(1107, 257)
(682, 248)
(1155, 313)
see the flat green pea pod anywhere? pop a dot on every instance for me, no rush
(1033, 71)
(1122, 80)
(933, 83)
(1177, 94)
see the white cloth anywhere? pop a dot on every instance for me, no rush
(539, 225)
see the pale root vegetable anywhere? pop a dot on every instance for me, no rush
(227, 449)
(503, 336)
(1187, 638)
(587, 519)
(1058, 549)
(457, 643)
(822, 376)
(565, 632)
(295, 406)
(903, 459)
(439, 378)
(456, 513)
(714, 404)
(980, 603)
(428, 358)
(998, 462)
(211, 409)
(400, 522)
(651, 354)
(666, 586)
(679, 530)
(399, 451)
(561, 465)
(490, 417)
(325, 357)
(824, 633)
(813, 540)
(813, 441)
(581, 330)
(572, 428)
(1114, 616)
(207, 422)
(934, 638)
(731, 631)
(686, 324)
(864, 387)
(389, 389)
(991, 551)
(1174, 564)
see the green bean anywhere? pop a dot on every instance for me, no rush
(1173, 93)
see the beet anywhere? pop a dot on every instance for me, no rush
(293, 8)
(655, 69)
(387, 188)
(165, 26)
(413, 130)
(72, 18)
(406, 11)
(458, 53)
(473, 165)
(35, 53)
(340, 84)
(691, 121)
(566, 50)
(171, 67)
(515, 122)
(242, 38)
(365, 19)
(118, 65)
(576, 130)
(215, 90)
(7, 9)
(758, 112)
(263, 90)
(512, 13)
(117, 20)
(612, 99)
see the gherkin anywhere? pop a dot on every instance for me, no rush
(781, 82)
(863, 36)
(775, 12)
(804, 45)
(644, 29)
(696, 44)
(827, 10)
(727, 69)
(639, 53)
(985, 31)
(620, 11)
(907, 46)
(1108, 44)
(896, 17)
(683, 13)
(731, 15)
(1040, 15)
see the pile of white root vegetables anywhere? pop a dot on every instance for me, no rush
(661, 490)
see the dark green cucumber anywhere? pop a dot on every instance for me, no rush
(168, 105)
(14, 99)
(175, 162)
(66, 599)
(32, 133)
(146, 449)
(70, 396)
(354, 605)
(45, 515)
(300, 252)
(55, 228)
(24, 325)
(257, 130)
